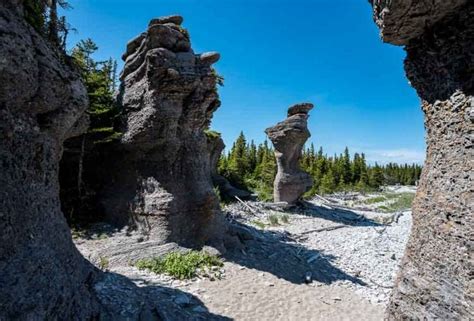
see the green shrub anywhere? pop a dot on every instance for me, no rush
(103, 263)
(273, 219)
(258, 223)
(376, 199)
(285, 218)
(179, 265)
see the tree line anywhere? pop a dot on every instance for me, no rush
(100, 77)
(253, 167)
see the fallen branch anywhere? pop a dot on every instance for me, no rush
(246, 205)
(379, 285)
(324, 229)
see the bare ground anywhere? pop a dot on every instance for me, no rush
(320, 262)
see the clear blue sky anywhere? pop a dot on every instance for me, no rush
(275, 53)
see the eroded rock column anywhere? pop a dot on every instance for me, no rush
(215, 146)
(162, 180)
(288, 138)
(42, 101)
(435, 281)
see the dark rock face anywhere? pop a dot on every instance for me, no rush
(215, 146)
(288, 137)
(42, 102)
(162, 180)
(435, 281)
(400, 20)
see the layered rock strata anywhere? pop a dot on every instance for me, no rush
(288, 138)
(435, 280)
(42, 103)
(162, 181)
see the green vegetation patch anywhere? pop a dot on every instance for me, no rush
(259, 224)
(404, 201)
(180, 265)
(212, 133)
(273, 219)
(376, 199)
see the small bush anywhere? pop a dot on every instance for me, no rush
(103, 263)
(285, 218)
(273, 219)
(259, 224)
(179, 265)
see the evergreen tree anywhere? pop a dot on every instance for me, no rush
(328, 183)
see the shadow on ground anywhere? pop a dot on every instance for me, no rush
(336, 214)
(277, 253)
(121, 299)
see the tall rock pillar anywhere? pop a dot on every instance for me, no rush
(42, 103)
(288, 138)
(435, 280)
(162, 181)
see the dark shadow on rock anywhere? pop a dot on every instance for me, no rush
(121, 299)
(277, 253)
(337, 215)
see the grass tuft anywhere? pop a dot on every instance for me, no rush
(180, 265)
(273, 219)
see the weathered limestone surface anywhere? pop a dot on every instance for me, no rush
(435, 281)
(42, 102)
(162, 180)
(288, 137)
(215, 146)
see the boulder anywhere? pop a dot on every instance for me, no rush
(42, 102)
(435, 279)
(161, 180)
(288, 138)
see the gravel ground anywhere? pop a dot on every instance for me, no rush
(322, 261)
(352, 240)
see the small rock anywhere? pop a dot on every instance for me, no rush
(210, 57)
(176, 19)
(302, 108)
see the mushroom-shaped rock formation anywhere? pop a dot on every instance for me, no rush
(288, 137)
(162, 180)
(215, 146)
(435, 280)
